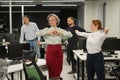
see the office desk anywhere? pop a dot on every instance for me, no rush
(19, 67)
(81, 56)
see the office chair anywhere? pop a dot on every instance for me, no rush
(115, 72)
(31, 70)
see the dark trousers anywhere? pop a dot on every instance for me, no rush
(95, 64)
(42, 52)
(70, 56)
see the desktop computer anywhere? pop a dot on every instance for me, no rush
(110, 44)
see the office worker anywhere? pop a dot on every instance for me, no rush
(28, 31)
(72, 42)
(53, 38)
(95, 61)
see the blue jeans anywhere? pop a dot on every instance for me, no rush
(33, 45)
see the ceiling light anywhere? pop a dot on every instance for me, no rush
(63, 0)
(16, 5)
(59, 5)
(17, 1)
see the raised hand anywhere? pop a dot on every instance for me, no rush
(106, 30)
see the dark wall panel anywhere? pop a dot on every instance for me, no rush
(39, 17)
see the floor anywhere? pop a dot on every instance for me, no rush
(66, 69)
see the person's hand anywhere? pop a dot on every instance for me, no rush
(54, 33)
(76, 30)
(57, 32)
(106, 30)
(38, 43)
(50, 33)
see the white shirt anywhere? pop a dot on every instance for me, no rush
(28, 31)
(94, 40)
(49, 39)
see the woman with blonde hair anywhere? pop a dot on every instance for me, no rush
(53, 38)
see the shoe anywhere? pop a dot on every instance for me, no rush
(71, 72)
(61, 78)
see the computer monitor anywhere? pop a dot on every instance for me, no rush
(3, 52)
(111, 44)
(82, 43)
(12, 38)
(15, 50)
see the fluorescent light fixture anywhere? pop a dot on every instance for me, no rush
(56, 11)
(16, 5)
(63, 1)
(59, 5)
(18, 1)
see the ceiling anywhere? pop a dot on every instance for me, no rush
(90, 0)
(42, 2)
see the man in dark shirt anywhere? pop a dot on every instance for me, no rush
(72, 42)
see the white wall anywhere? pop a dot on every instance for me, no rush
(94, 10)
(89, 13)
(113, 17)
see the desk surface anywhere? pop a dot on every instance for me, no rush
(18, 67)
(82, 56)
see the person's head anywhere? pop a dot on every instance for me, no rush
(53, 20)
(25, 19)
(71, 21)
(96, 25)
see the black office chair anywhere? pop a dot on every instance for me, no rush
(32, 71)
(115, 72)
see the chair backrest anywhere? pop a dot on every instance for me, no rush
(32, 71)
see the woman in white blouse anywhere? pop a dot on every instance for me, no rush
(53, 38)
(95, 61)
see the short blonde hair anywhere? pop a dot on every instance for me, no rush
(57, 18)
(25, 16)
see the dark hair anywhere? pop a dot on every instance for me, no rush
(72, 18)
(98, 23)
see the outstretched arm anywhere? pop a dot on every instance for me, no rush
(84, 34)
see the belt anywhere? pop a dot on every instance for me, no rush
(32, 39)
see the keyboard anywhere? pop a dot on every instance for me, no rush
(107, 55)
(15, 62)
